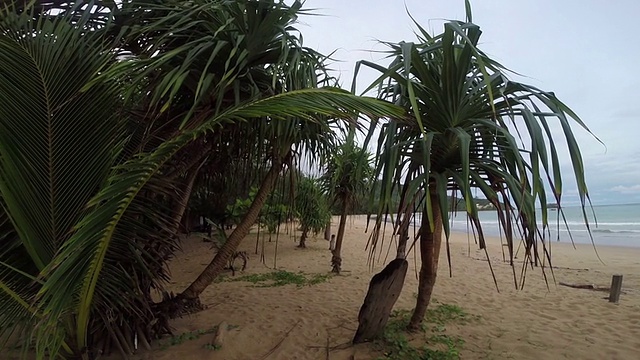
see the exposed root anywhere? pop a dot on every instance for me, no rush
(175, 306)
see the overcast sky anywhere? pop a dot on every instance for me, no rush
(585, 51)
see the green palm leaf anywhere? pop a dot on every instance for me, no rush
(58, 140)
(464, 109)
(84, 253)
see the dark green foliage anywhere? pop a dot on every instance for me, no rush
(473, 132)
(349, 176)
(312, 210)
(274, 212)
(95, 174)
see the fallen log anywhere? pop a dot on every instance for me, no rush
(588, 287)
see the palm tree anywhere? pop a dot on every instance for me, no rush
(290, 66)
(61, 137)
(465, 112)
(89, 183)
(347, 178)
(311, 207)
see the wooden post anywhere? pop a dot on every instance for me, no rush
(616, 288)
(332, 243)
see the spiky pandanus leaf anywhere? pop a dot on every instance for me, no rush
(311, 204)
(465, 112)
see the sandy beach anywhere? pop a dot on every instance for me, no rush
(290, 322)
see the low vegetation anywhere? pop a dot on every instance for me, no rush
(431, 342)
(193, 335)
(281, 278)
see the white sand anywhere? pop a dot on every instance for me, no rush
(534, 323)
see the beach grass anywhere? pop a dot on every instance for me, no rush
(282, 278)
(431, 342)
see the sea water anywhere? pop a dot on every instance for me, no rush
(615, 225)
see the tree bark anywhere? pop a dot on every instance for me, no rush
(201, 152)
(336, 259)
(384, 289)
(216, 266)
(303, 238)
(181, 206)
(430, 241)
(327, 231)
(403, 234)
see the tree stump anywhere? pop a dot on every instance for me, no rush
(384, 290)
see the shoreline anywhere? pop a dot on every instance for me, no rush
(565, 240)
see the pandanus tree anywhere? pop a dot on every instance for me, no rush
(312, 209)
(291, 67)
(206, 56)
(471, 128)
(347, 178)
(91, 185)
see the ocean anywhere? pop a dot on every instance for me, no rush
(617, 225)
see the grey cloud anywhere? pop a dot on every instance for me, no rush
(579, 50)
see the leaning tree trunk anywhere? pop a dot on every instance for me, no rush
(303, 238)
(336, 259)
(191, 161)
(384, 289)
(430, 241)
(216, 266)
(181, 206)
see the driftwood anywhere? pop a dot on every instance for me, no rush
(588, 287)
(384, 290)
(568, 268)
(327, 350)
(286, 335)
(546, 266)
(342, 346)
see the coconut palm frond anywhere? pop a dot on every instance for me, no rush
(83, 257)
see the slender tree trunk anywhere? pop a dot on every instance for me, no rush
(403, 233)
(198, 148)
(216, 266)
(181, 206)
(336, 259)
(303, 238)
(430, 241)
(327, 231)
